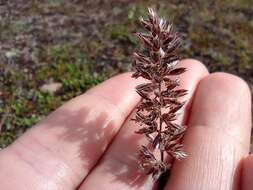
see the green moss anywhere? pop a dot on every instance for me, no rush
(202, 39)
(72, 68)
(119, 54)
(7, 138)
(46, 102)
(27, 122)
(245, 61)
(121, 32)
(19, 107)
(94, 47)
(237, 3)
(221, 58)
(26, 104)
(136, 11)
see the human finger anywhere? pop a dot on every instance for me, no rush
(61, 150)
(118, 169)
(218, 136)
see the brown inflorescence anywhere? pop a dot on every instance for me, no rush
(157, 112)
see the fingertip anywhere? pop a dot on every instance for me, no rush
(227, 98)
(230, 81)
(118, 89)
(194, 63)
(117, 82)
(196, 71)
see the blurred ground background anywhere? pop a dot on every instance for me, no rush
(53, 50)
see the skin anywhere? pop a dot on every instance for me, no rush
(89, 143)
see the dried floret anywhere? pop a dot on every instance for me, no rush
(156, 63)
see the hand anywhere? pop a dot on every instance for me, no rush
(89, 143)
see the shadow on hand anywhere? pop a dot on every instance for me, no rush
(121, 160)
(91, 131)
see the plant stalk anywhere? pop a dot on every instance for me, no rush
(160, 118)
